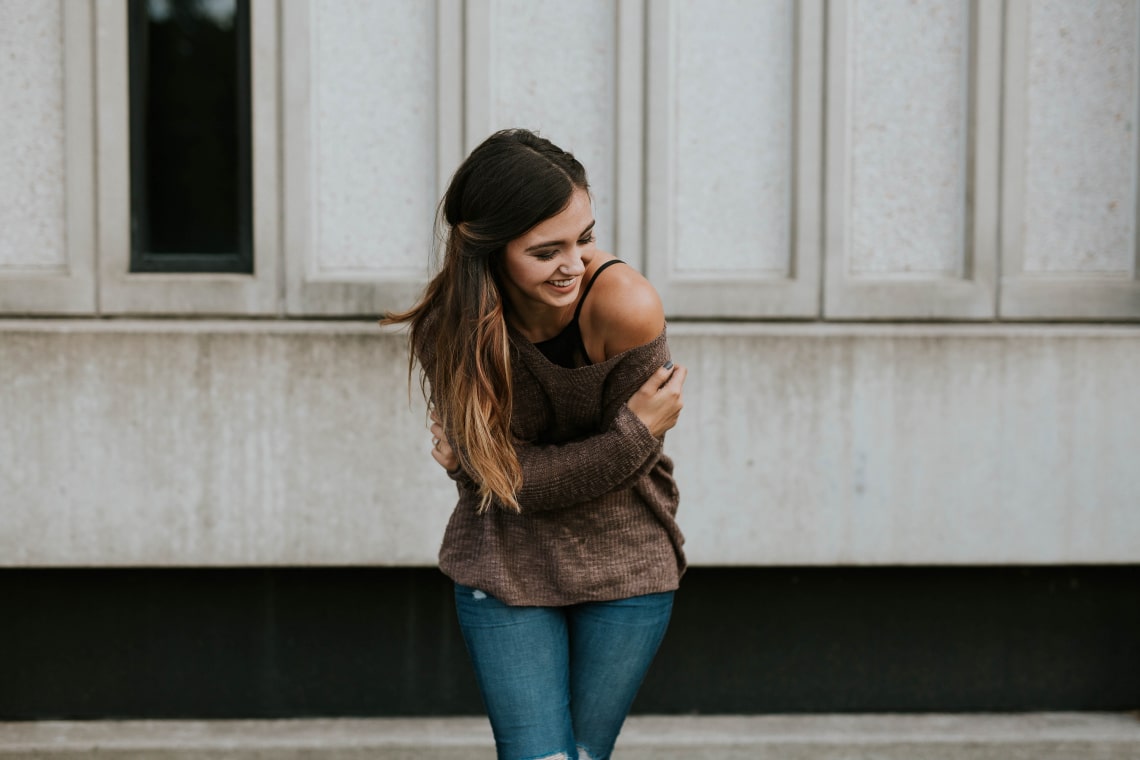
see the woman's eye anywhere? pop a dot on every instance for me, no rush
(546, 255)
(587, 240)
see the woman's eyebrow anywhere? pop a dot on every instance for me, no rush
(549, 243)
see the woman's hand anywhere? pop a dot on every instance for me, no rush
(658, 403)
(441, 450)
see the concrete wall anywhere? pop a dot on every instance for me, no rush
(210, 443)
(925, 193)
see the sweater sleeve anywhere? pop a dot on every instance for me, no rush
(561, 475)
(564, 474)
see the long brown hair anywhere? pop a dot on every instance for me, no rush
(513, 181)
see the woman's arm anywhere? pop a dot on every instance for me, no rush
(643, 401)
(561, 475)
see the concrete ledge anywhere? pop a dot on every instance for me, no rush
(182, 443)
(1034, 736)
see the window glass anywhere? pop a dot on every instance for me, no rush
(190, 136)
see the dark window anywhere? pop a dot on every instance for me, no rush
(191, 202)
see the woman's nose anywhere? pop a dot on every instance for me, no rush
(574, 266)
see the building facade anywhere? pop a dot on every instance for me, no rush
(897, 247)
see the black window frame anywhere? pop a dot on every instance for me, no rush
(143, 260)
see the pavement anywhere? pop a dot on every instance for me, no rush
(1018, 736)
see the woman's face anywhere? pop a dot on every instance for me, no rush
(542, 269)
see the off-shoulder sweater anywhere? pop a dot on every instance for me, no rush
(598, 497)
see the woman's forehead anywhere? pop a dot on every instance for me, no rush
(569, 222)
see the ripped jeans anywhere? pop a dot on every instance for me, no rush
(558, 682)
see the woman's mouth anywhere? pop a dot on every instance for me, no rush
(562, 283)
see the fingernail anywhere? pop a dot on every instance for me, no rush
(669, 364)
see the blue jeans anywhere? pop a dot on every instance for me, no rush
(558, 681)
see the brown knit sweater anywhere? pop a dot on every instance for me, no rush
(598, 498)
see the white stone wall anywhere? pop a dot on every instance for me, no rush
(838, 164)
(908, 129)
(32, 221)
(733, 140)
(207, 443)
(1080, 139)
(373, 79)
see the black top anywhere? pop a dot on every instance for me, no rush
(567, 348)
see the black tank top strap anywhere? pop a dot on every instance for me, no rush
(590, 284)
(568, 348)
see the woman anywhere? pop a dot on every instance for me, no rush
(548, 374)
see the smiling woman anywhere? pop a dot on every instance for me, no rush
(542, 278)
(549, 411)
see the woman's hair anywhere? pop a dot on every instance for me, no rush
(513, 181)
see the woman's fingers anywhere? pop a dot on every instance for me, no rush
(671, 379)
(439, 441)
(658, 402)
(660, 377)
(665, 374)
(672, 390)
(446, 460)
(441, 450)
(677, 379)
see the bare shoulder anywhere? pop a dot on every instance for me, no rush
(623, 311)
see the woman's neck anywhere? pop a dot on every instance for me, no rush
(537, 325)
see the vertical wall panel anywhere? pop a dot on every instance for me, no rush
(32, 145)
(369, 122)
(373, 80)
(909, 109)
(1070, 165)
(629, 206)
(550, 66)
(912, 158)
(1080, 142)
(734, 157)
(46, 159)
(735, 109)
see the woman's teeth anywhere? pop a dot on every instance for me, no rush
(562, 283)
